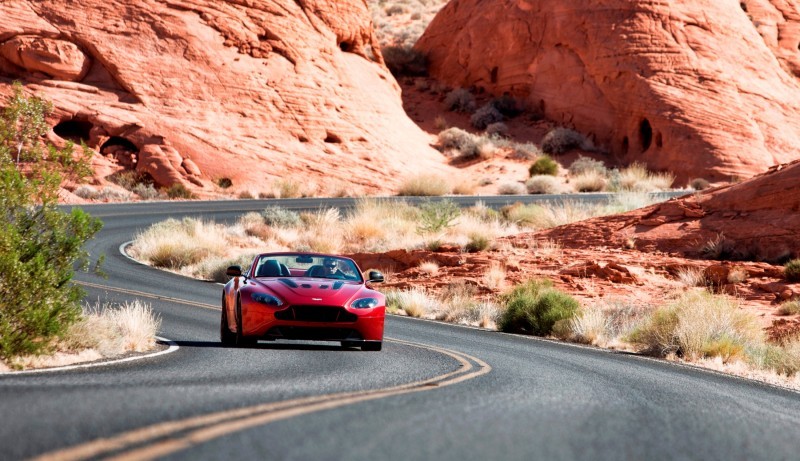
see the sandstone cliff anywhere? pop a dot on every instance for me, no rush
(193, 91)
(703, 88)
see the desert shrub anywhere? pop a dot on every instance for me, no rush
(460, 100)
(699, 184)
(506, 105)
(543, 184)
(544, 165)
(498, 129)
(589, 181)
(405, 60)
(699, 324)
(224, 183)
(560, 140)
(287, 188)
(584, 165)
(511, 188)
(485, 116)
(424, 185)
(534, 307)
(782, 359)
(477, 242)
(146, 191)
(791, 270)
(525, 151)
(129, 179)
(280, 217)
(464, 186)
(717, 248)
(179, 191)
(440, 123)
(589, 326)
(455, 138)
(436, 216)
(789, 308)
(106, 194)
(40, 245)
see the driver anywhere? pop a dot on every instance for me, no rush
(331, 270)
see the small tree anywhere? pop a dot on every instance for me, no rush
(39, 244)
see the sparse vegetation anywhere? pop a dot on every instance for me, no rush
(280, 217)
(460, 100)
(405, 60)
(40, 245)
(543, 184)
(699, 324)
(699, 184)
(436, 216)
(791, 270)
(791, 307)
(179, 191)
(589, 181)
(544, 165)
(511, 188)
(560, 140)
(534, 308)
(485, 116)
(584, 165)
(424, 185)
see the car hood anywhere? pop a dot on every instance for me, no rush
(313, 291)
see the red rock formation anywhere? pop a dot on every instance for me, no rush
(758, 219)
(702, 88)
(193, 91)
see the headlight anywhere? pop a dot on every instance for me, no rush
(364, 303)
(267, 299)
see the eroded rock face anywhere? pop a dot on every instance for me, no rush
(756, 220)
(195, 91)
(702, 88)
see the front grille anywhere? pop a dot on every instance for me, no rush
(330, 314)
(313, 333)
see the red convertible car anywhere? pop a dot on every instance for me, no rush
(302, 296)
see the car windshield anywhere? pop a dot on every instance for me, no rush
(304, 265)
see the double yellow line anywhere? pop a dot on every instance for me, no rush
(161, 439)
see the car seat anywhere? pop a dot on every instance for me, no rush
(269, 268)
(315, 271)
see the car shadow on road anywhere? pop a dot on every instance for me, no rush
(268, 345)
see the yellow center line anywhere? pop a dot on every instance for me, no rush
(207, 427)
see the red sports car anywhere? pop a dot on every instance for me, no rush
(302, 296)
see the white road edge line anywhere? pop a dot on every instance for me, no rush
(173, 346)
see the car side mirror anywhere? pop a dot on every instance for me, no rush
(375, 276)
(234, 271)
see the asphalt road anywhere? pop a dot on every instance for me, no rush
(435, 392)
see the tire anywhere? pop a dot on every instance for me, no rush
(348, 344)
(226, 337)
(241, 340)
(372, 346)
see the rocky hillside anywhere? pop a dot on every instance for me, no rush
(206, 92)
(701, 88)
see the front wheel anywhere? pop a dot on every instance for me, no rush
(240, 340)
(372, 346)
(226, 337)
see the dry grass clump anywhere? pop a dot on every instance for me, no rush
(511, 188)
(699, 324)
(429, 267)
(691, 277)
(589, 181)
(543, 184)
(424, 185)
(174, 244)
(495, 276)
(106, 194)
(636, 177)
(414, 302)
(789, 307)
(102, 332)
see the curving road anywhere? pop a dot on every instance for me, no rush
(436, 391)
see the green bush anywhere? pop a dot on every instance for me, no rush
(534, 308)
(791, 270)
(477, 242)
(435, 216)
(40, 245)
(544, 165)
